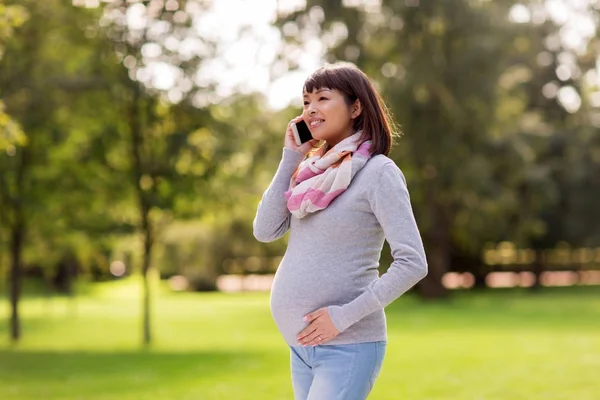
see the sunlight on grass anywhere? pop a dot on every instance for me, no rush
(496, 345)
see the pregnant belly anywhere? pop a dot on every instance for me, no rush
(293, 296)
(305, 291)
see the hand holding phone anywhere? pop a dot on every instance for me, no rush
(301, 132)
(298, 136)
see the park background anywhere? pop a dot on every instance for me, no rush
(136, 138)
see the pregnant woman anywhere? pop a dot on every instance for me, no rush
(340, 201)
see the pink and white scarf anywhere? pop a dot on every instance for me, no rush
(323, 176)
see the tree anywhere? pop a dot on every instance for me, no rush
(439, 66)
(172, 147)
(11, 17)
(108, 154)
(37, 85)
(11, 134)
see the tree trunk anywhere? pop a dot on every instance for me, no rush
(437, 246)
(146, 265)
(17, 235)
(16, 243)
(480, 280)
(431, 286)
(438, 260)
(144, 204)
(538, 268)
(2, 273)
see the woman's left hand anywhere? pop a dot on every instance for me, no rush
(320, 330)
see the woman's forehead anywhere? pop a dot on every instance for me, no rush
(316, 91)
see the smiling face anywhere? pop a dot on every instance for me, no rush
(328, 115)
(339, 100)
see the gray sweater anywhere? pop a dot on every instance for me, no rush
(333, 255)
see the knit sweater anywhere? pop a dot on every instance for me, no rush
(332, 256)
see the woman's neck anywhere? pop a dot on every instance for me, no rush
(333, 142)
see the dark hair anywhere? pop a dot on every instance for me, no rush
(375, 120)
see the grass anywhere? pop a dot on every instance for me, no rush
(497, 345)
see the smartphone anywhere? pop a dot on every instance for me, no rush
(301, 132)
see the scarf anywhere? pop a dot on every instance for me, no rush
(324, 175)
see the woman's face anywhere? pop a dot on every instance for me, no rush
(328, 116)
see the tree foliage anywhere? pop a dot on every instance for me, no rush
(487, 154)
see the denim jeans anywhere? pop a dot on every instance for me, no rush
(336, 372)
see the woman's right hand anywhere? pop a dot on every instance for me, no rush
(290, 143)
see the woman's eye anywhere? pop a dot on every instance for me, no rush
(323, 98)
(306, 103)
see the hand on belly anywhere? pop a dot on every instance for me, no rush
(320, 330)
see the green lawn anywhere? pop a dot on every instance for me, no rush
(500, 345)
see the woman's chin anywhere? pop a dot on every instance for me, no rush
(319, 135)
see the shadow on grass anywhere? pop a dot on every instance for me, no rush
(64, 374)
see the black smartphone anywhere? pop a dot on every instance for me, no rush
(301, 132)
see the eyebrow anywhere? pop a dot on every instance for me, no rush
(319, 91)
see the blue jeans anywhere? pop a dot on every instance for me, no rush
(336, 372)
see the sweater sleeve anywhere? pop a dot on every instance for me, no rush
(272, 219)
(390, 202)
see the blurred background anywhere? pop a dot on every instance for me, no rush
(136, 138)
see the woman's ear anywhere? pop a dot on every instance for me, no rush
(356, 109)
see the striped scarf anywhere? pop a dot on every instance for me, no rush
(323, 176)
